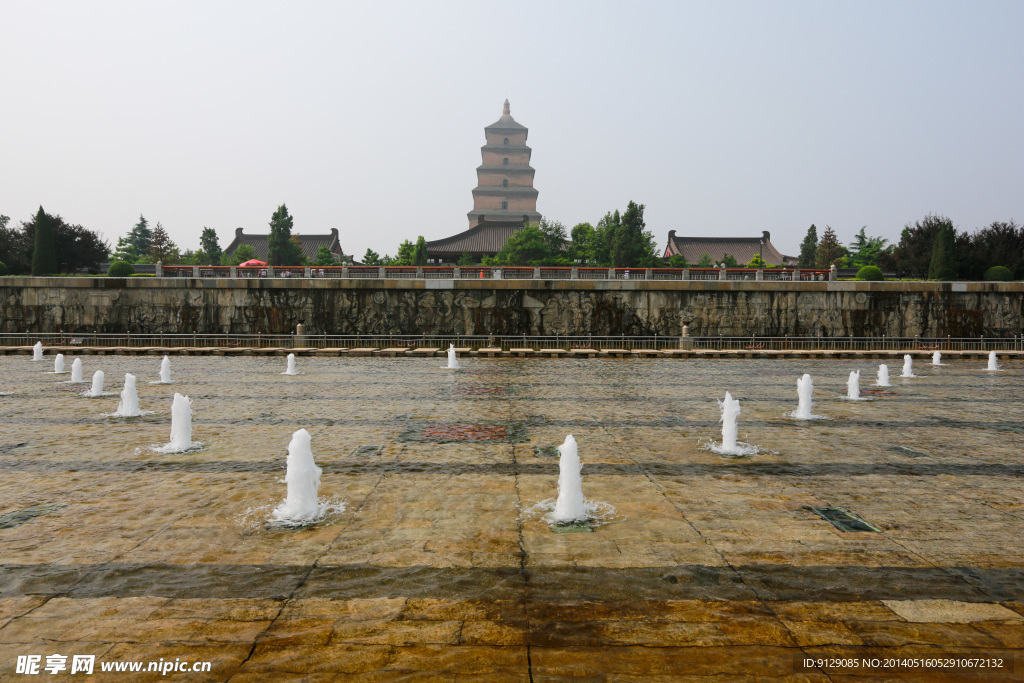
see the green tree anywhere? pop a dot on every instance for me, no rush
(405, 254)
(140, 235)
(209, 246)
(866, 251)
(809, 248)
(606, 230)
(631, 245)
(75, 247)
(705, 261)
(679, 261)
(324, 257)
(466, 260)
(583, 248)
(757, 262)
(282, 250)
(419, 252)
(243, 253)
(161, 247)
(913, 253)
(44, 253)
(125, 251)
(527, 247)
(998, 244)
(371, 258)
(943, 263)
(829, 249)
(557, 240)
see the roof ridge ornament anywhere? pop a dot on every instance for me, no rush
(505, 110)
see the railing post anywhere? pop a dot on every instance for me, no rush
(419, 272)
(575, 274)
(380, 272)
(456, 273)
(611, 273)
(796, 275)
(234, 272)
(159, 268)
(760, 275)
(195, 271)
(721, 273)
(833, 273)
(686, 274)
(307, 272)
(344, 271)
(647, 274)
(536, 273)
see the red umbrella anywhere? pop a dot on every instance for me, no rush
(252, 262)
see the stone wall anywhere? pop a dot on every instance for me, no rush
(532, 307)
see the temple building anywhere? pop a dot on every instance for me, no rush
(504, 200)
(310, 244)
(743, 249)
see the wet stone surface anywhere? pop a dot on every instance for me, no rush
(442, 567)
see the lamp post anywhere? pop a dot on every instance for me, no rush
(760, 259)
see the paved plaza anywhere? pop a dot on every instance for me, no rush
(441, 565)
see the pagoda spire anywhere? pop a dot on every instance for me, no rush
(505, 112)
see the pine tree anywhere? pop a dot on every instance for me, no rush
(282, 251)
(44, 252)
(630, 244)
(943, 263)
(419, 252)
(371, 258)
(140, 236)
(161, 248)
(829, 249)
(209, 246)
(124, 251)
(809, 248)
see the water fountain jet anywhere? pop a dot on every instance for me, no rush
(908, 366)
(76, 372)
(165, 371)
(993, 363)
(453, 361)
(181, 427)
(853, 386)
(570, 508)
(937, 358)
(58, 364)
(97, 385)
(129, 405)
(37, 351)
(291, 365)
(301, 505)
(804, 390)
(883, 376)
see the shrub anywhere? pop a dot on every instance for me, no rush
(120, 269)
(3, 268)
(998, 274)
(870, 273)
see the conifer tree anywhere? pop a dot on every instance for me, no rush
(161, 248)
(140, 236)
(210, 246)
(282, 251)
(809, 248)
(943, 263)
(829, 249)
(44, 252)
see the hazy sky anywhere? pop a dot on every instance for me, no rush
(723, 118)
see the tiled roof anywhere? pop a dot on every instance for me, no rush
(481, 239)
(742, 248)
(310, 243)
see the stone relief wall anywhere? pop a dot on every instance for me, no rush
(768, 309)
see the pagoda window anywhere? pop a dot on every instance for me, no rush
(504, 183)
(505, 161)
(504, 206)
(506, 141)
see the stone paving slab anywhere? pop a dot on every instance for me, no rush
(442, 566)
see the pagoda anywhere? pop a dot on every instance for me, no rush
(504, 194)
